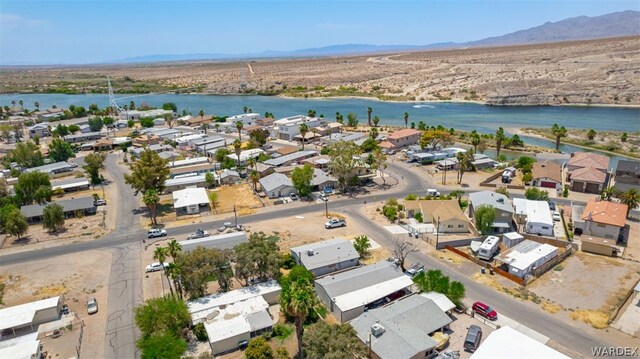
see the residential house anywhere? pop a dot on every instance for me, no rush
(71, 207)
(504, 211)
(189, 162)
(71, 184)
(246, 155)
(83, 137)
(40, 130)
(189, 200)
(200, 169)
(327, 256)
(507, 342)
(183, 142)
(218, 241)
(136, 114)
(265, 121)
(84, 128)
(103, 144)
(527, 255)
(349, 293)
(53, 168)
(588, 172)
(159, 121)
(277, 185)
(600, 219)
(49, 114)
(547, 174)
(236, 316)
(146, 140)
(627, 175)
(482, 161)
(405, 137)
(535, 215)
(402, 329)
(287, 128)
(320, 161)
(321, 180)
(448, 164)
(597, 245)
(263, 169)
(228, 176)
(286, 150)
(247, 119)
(198, 121)
(445, 214)
(185, 181)
(290, 158)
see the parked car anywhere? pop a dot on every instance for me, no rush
(552, 205)
(155, 232)
(199, 233)
(556, 216)
(484, 310)
(92, 306)
(99, 202)
(334, 223)
(473, 338)
(154, 267)
(415, 269)
(323, 197)
(293, 196)
(433, 192)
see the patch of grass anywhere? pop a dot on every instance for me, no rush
(282, 331)
(594, 318)
(551, 307)
(558, 268)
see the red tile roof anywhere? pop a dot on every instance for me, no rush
(606, 212)
(588, 174)
(589, 159)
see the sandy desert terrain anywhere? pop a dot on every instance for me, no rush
(602, 71)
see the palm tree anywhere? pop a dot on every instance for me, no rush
(559, 132)
(173, 249)
(13, 103)
(37, 105)
(369, 111)
(475, 140)
(297, 299)
(160, 254)
(591, 134)
(499, 138)
(376, 121)
(255, 177)
(245, 109)
(406, 119)
(252, 162)
(239, 126)
(201, 114)
(21, 104)
(610, 192)
(337, 116)
(175, 272)
(311, 113)
(237, 146)
(304, 129)
(631, 198)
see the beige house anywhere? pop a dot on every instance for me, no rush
(146, 140)
(600, 219)
(444, 213)
(403, 138)
(547, 174)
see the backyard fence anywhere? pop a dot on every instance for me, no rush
(537, 272)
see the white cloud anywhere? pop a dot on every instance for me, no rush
(12, 20)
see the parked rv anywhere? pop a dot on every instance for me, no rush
(489, 248)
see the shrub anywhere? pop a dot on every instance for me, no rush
(288, 261)
(391, 212)
(418, 217)
(200, 332)
(527, 177)
(410, 197)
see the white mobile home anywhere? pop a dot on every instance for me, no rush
(526, 256)
(221, 241)
(489, 248)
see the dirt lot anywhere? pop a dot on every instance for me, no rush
(534, 74)
(569, 288)
(241, 196)
(87, 277)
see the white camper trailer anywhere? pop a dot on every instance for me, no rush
(489, 248)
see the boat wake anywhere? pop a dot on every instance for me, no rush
(423, 106)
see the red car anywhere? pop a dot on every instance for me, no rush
(485, 310)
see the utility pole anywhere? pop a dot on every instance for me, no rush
(235, 214)
(437, 231)
(326, 208)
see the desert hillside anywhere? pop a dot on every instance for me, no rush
(602, 71)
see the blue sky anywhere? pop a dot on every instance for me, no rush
(101, 30)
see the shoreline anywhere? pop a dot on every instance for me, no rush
(365, 98)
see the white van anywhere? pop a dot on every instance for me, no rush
(431, 192)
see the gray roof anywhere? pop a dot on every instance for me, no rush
(219, 241)
(359, 278)
(275, 180)
(259, 320)
(327, 252)
(407, 323)
(497, 200)
(347, 136)
(50, 167)
(83, 135)
(69, 181)
(207, 140)
(74, 204)
(167, 155)
(227, 172)
(290, 157)
(160, 147)
(628, 166)
(320, 177)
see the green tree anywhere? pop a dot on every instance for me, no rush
(53, 217)
(150, 171)
(559, 132)
(591, 134)
(624, 137)
(146, 122)
(254, 177)
(301, 178)
(344, 161)
(221, 154)
(13, 221)
(259, 258)
(166, 314)
(96, 124)
(32, 186)
(259, 136)
(631, 198)
(61, 130)
(170, 106)
(369, 111)
(258, 348)
(369, 145)
(151, 199)
(94, 162)
(37, 105)
(362, 245)
(333, 341)
(536, 194)
(376, 121)
(239, 127)
(108, 121)
(475, 140)
(162, 346)
(26, 155)
(210, 179)
(352, 120)
(525, 163)
(503, 191)
(406, 119)
(237, 148)
(304, 129)
(434, 137)
(465, 163)
(297, 299)
(499, 137)
(378, 162)
(131, 123)
(60, 150)
(5, 133)
(435, 281)
(73, 128)
(485, 216)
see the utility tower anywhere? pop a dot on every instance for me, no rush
(112, 100)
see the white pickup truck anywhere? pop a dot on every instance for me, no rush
(335, 223)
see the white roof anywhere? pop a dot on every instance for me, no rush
(232, 320)
(190, 197)
(70, 183)
(513, 235)
(526, 253)
(188, 162)
(536, 211)
(441, 300)
(21, 315)
(25, 350)
(201, 307)
(188, 179)
(324, 253)
(245, 155)
(508, 343)
(490, 242)
(187, 138)
(372, 293)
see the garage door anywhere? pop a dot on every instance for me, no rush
(593, 188)
(577, 186)
(547, 184)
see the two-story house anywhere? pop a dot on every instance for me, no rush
(588, 172)
(627, 175)
(405, 137)
(504, 211)
(602, 219)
